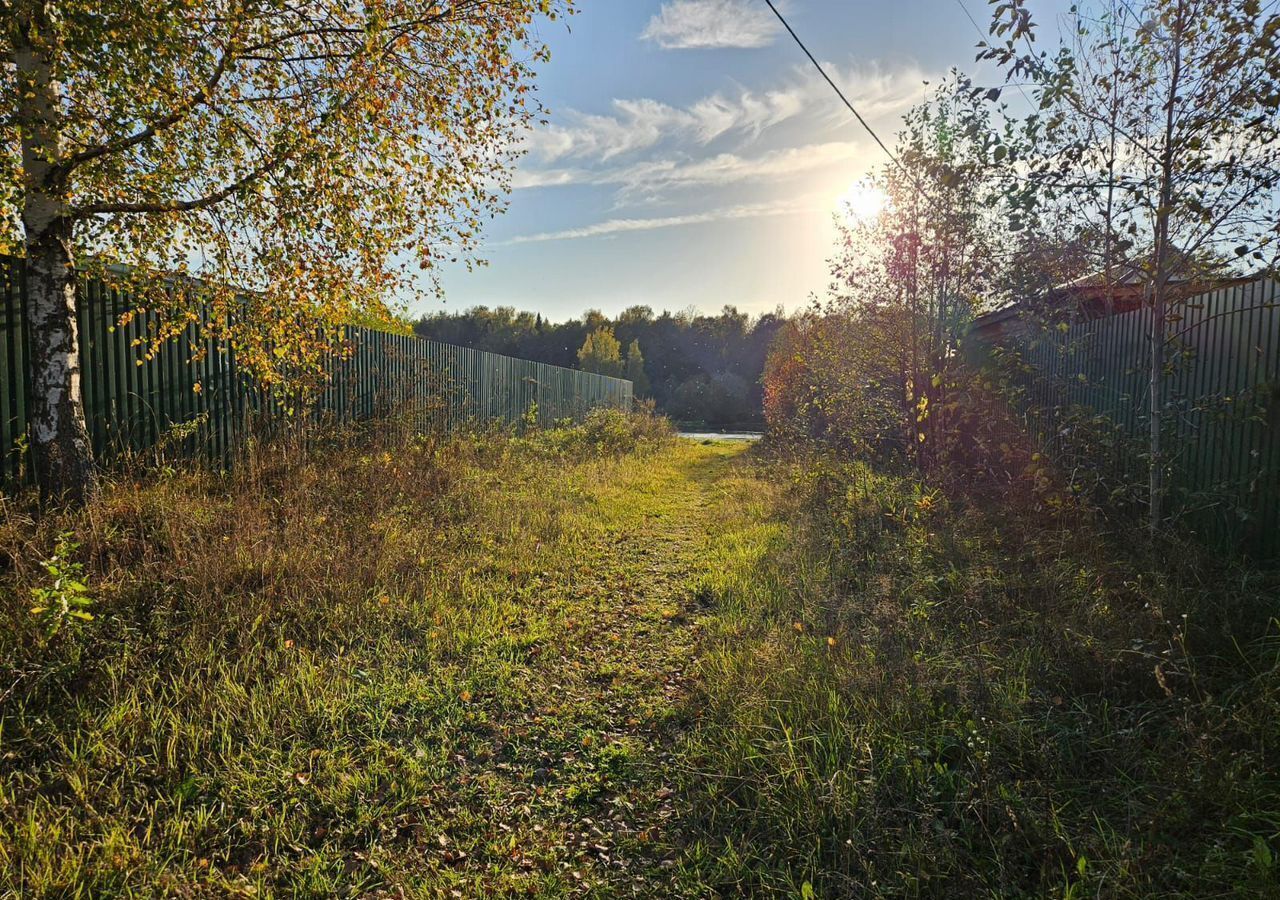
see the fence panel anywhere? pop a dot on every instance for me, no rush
(1221, 399)
(191, 397)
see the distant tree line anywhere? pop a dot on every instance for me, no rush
(696, 368)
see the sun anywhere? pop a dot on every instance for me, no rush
(862, 202)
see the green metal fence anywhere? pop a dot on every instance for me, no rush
(1221, 400)
(193, 398)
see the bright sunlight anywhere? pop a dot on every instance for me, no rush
(834, 473)
(862, 202)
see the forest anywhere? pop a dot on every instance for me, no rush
(699, 369)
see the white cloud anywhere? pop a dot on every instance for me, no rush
(536, 178)
(615, 226)
(730, 168)
(641, 124)
(654, 176)
(693, 24)
(646, 150)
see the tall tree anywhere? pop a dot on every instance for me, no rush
(635, 370)
(303, 157)
(1165, 114)
(601, 353)
(906, 282)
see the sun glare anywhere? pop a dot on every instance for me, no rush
(861, 202)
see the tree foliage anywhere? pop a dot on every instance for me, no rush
(635, 369)
(874, 367)
(307, 160)
(1156, 134)
(601, 353)
(1148, 160)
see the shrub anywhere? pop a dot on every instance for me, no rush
(605, 432)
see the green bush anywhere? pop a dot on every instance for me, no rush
(604, 432)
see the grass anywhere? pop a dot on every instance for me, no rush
(905, 694)
(384, 669)
(603, 662)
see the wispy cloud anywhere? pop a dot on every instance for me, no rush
(526, 177)
(649, 151)
(641, 124)
(694, 24)
(616, 226)
(655, 176)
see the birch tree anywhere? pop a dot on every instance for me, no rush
(1163, 114)
(308, 160)
(601, 352)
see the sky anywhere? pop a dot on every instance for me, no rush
(694, 158)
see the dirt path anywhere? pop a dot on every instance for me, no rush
(580, 780)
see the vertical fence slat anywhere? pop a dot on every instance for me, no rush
(10, 424)
(1223, 400)
(134, 399)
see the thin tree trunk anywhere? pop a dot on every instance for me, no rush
(1159, 291)
(60, 443)
(1155, 487)
(59, 440)
(1113, 100)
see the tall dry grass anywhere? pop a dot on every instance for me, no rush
(271, 685)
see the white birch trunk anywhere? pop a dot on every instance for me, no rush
(62, 456)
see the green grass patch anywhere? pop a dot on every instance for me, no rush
(605, 662)
(428, 667)
(904, 694)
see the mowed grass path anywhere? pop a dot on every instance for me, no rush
(321, 682)
(576, 787)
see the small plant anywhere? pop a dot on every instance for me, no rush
(66, 596)
(529, 420)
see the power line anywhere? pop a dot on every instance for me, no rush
(971, 19)
(839, 93)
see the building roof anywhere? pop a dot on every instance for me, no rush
(1094, 296)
